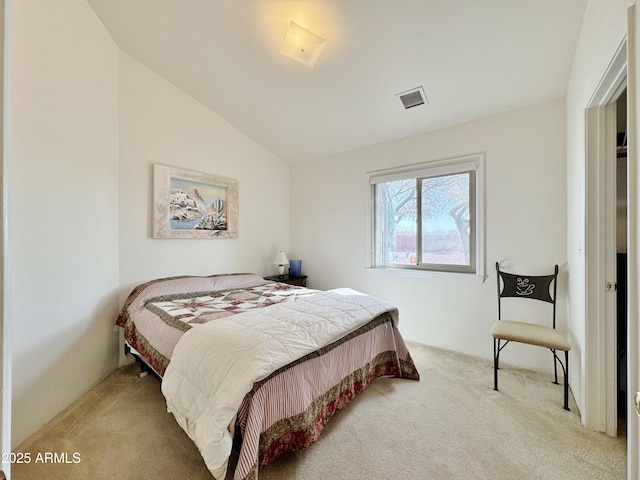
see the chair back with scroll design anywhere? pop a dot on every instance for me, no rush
(534, 287)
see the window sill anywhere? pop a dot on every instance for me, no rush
(406, 272)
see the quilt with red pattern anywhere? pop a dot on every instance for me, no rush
(184, 310)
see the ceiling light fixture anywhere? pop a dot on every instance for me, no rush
(302, 45)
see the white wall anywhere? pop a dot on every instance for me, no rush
(525, 224)
(161, 124)
(62, 156)
(603, 29)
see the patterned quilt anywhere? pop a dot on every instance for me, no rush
(157, 313)
(182, 311)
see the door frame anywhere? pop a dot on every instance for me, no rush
(600, 356)
(633, 241)
(5, 330)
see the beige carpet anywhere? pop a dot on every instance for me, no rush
(450, 425)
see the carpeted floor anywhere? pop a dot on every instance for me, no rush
(450, 425)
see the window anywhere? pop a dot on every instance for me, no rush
(428, 217)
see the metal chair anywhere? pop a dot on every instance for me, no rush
(534, 287)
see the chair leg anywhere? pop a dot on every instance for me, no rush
(566, 380)
(496, 352)
(555, 367)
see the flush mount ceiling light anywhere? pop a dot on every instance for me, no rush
(412, 98)
(302, 45)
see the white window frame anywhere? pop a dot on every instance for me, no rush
(450, 166)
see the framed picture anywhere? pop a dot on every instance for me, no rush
(193, 205)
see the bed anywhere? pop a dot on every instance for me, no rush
(266, 362)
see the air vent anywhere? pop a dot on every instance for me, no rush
(412, 98)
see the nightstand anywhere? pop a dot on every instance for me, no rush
(298, 281)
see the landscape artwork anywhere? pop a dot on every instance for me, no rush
(197, 205)
(194, 205)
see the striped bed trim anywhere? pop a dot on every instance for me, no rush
(289, 409)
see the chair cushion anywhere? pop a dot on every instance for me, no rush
(530, 333)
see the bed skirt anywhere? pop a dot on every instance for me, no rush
(282, 414)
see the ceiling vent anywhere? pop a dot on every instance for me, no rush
(412, 98)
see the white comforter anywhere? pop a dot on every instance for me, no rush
(216, 364)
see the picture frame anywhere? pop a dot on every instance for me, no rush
(188, 204)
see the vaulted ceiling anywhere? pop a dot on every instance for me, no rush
(472, 57)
